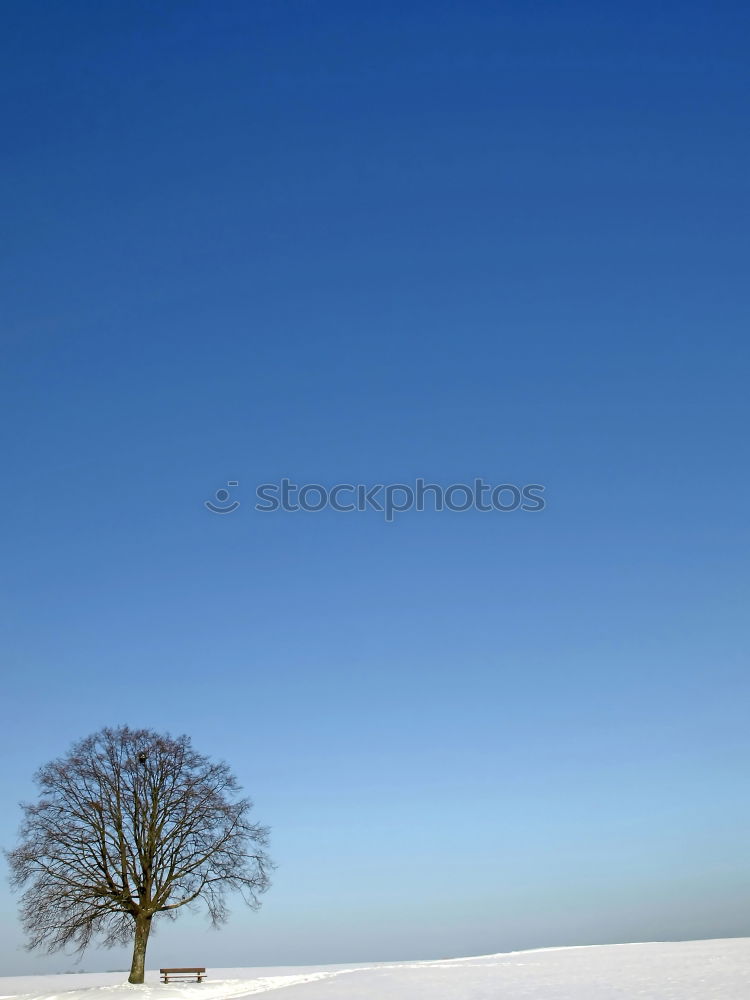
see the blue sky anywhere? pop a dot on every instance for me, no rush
(313, 240)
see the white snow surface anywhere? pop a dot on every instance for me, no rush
(684, 970)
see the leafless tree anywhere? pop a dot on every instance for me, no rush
(131, 824)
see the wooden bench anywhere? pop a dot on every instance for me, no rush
(182, 974)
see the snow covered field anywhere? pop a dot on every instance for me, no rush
(690, 970)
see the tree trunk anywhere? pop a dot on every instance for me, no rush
(138, 965)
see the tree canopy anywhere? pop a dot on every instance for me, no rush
(131, 824)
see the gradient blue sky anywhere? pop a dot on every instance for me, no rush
(365, 243)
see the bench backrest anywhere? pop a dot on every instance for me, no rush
(196, 969)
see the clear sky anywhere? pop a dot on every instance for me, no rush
(347, 242)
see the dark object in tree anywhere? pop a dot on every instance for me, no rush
(130, 824)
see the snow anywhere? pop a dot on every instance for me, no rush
(687, 970)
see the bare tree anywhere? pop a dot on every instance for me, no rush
(131, 824)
